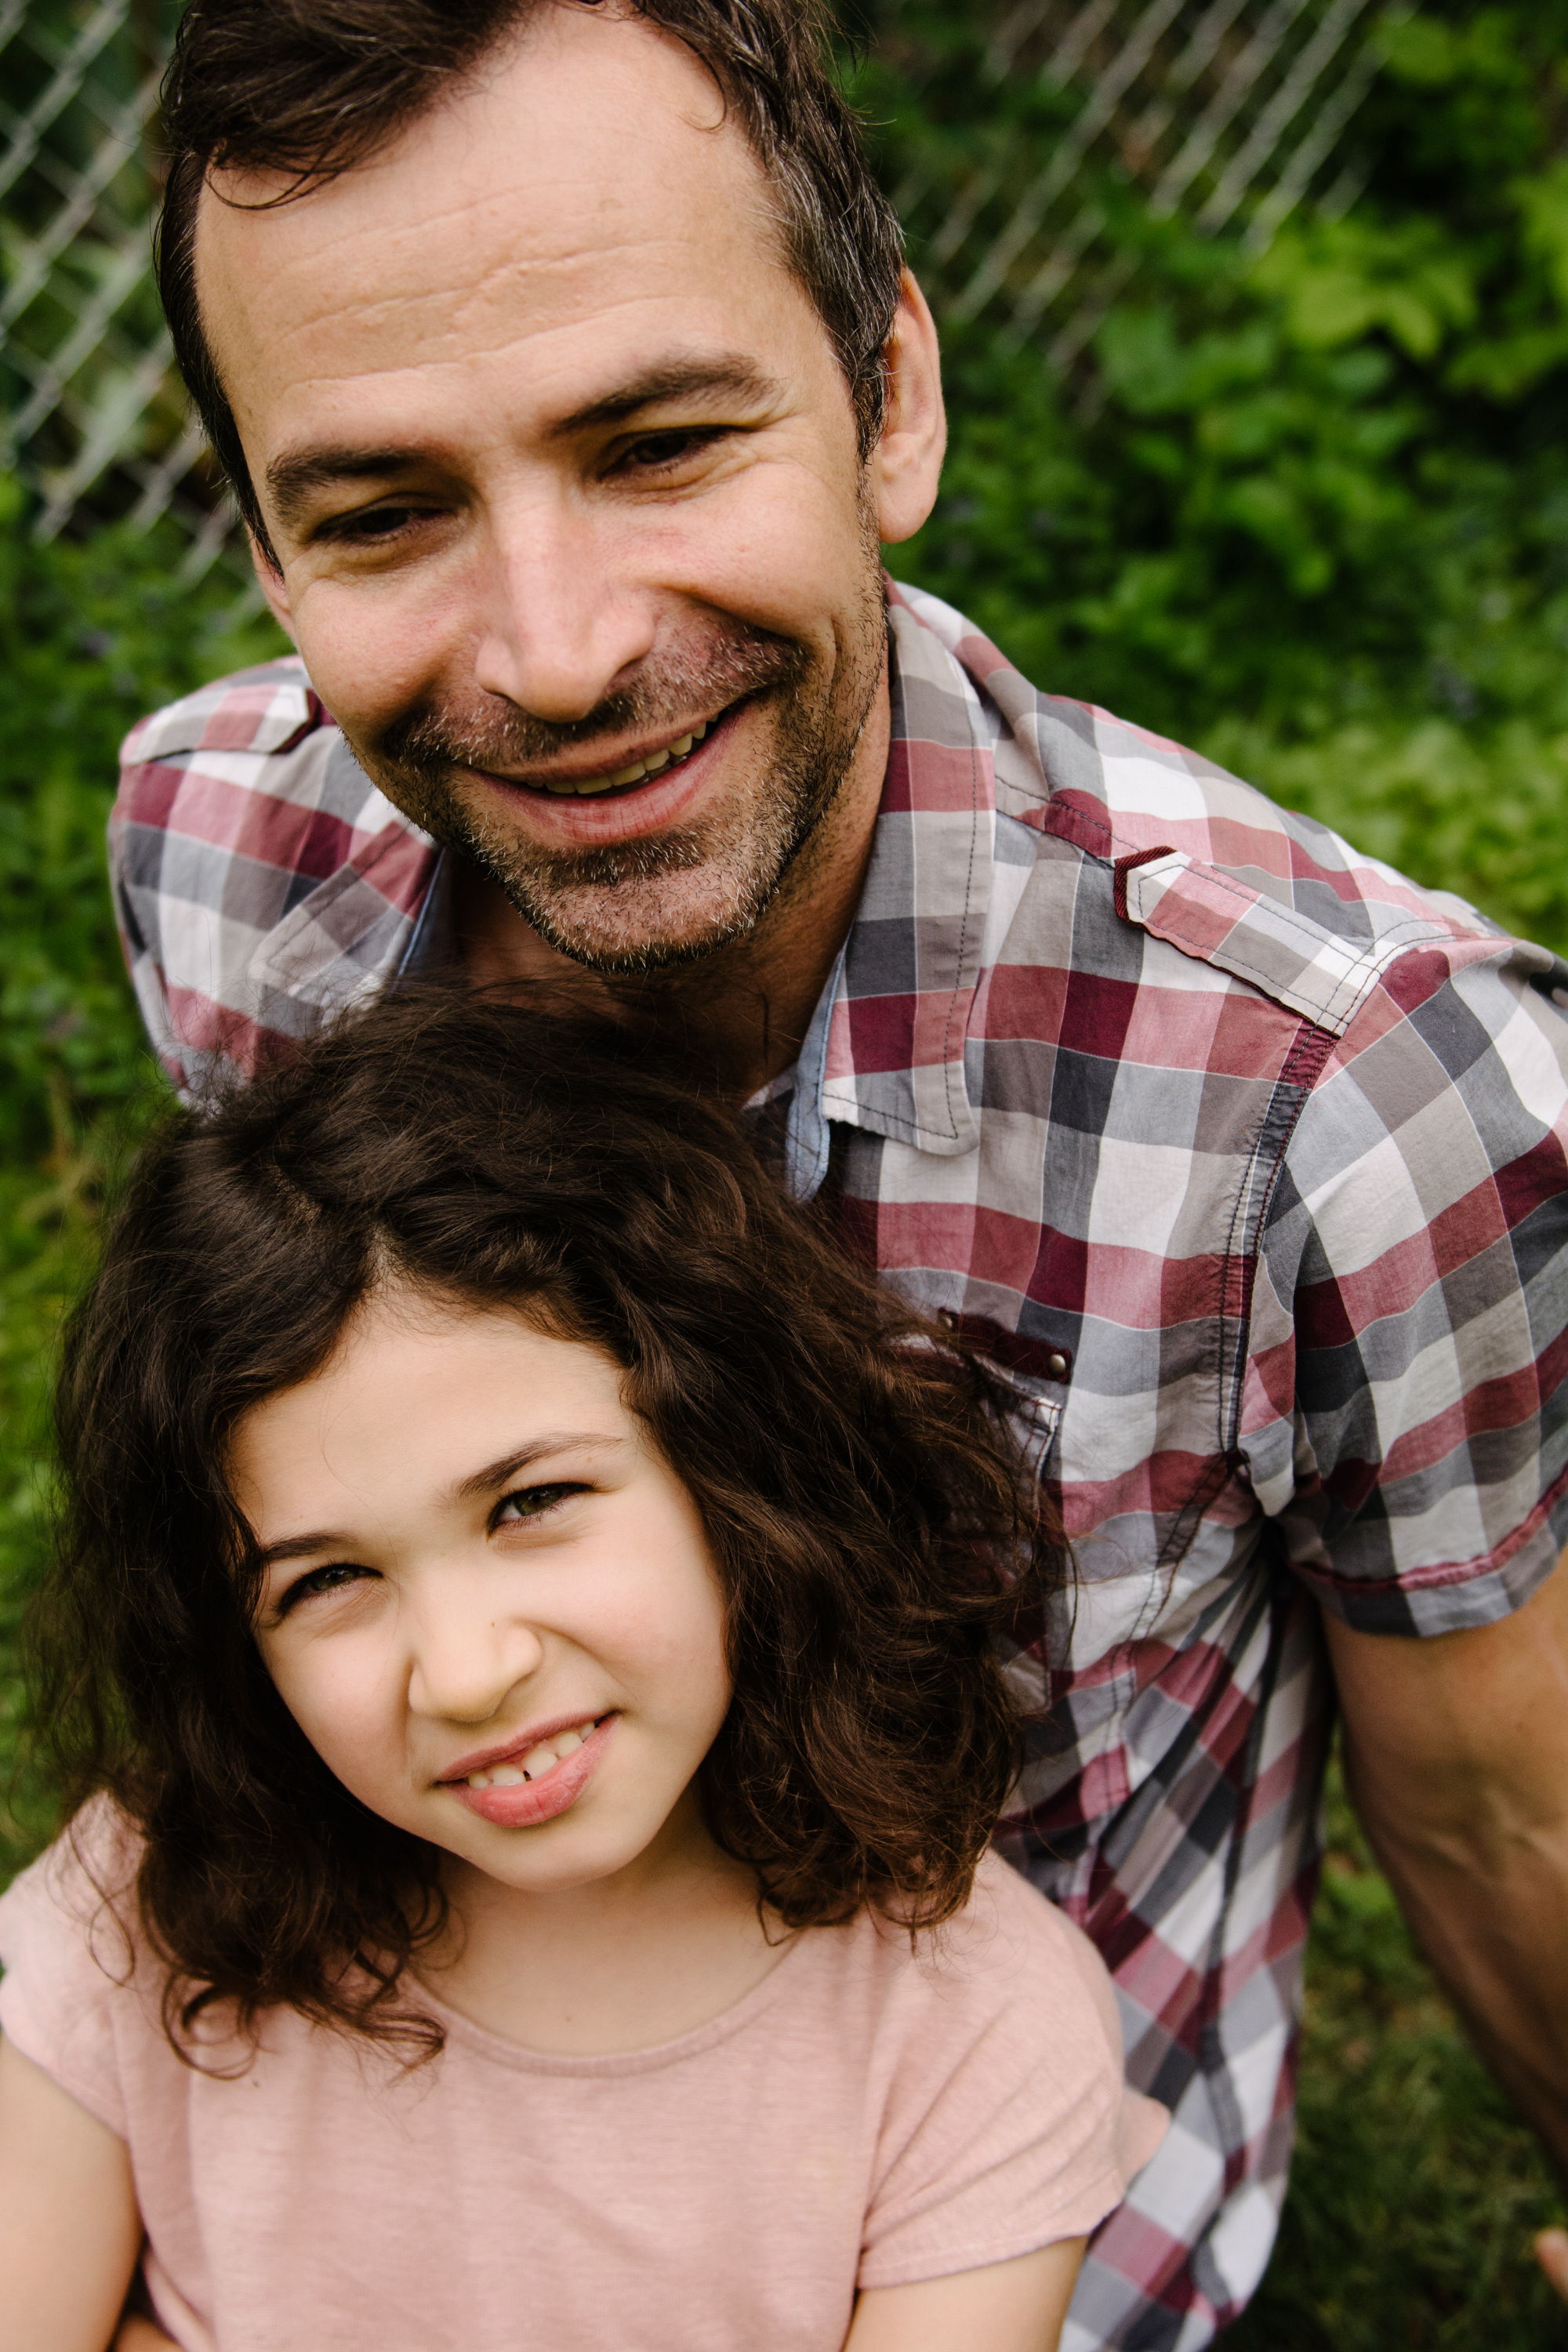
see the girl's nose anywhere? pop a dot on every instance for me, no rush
(465, 1661)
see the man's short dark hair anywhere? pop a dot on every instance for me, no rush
(312, 87)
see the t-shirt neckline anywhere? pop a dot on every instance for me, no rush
(735, 2019)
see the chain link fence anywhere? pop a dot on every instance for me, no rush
(1231, 113)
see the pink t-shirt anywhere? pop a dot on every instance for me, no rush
(864, 2116)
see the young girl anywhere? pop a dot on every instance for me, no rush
(523, 1661)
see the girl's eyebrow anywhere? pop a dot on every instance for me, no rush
(558, 1440)
(297, 1547)
(480, 1482)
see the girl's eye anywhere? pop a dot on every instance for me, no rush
(335, 1578)
(531, 1503)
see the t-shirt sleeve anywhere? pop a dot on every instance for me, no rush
(1407, 1414)
(1008, 2126)
(68, 1966)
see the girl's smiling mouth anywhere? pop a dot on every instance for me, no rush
(537, 1777)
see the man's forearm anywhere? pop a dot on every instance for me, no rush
(1456, 1753)
(1490, 1909)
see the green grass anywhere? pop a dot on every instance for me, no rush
(1415, 2189)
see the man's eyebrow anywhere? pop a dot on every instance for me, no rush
(293, 476)
(290, 478)
(728, 377)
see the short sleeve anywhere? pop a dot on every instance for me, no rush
(1008, 2127)
(68, 1966)
(1413, 1300)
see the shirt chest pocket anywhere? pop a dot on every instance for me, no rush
(1034, 1416)
(1031, 1376)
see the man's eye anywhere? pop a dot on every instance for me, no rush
(375, 523)
(656, 449)
(531, 1503)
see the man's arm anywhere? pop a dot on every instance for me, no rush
(1456, 1754)
(1016, 2306)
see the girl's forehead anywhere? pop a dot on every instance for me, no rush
(399, 1324)
(415, 1386)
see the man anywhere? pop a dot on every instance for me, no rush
(560, 357)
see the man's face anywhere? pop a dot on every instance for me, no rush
(561, 471)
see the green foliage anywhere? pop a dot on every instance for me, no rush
(91, 637)
(1309, 502)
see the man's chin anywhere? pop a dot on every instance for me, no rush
(636, 938)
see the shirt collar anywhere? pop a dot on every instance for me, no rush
(890, 1030)
(885, 1050)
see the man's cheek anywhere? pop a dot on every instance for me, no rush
(368, 657)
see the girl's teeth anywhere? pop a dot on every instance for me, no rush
(537, 1761)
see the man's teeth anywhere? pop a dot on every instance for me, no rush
(639, 768)
(537, 1761)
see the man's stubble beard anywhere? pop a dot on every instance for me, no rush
(621, 910)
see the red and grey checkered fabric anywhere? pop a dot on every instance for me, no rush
(1240, 1156)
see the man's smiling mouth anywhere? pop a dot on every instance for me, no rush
(660, 763)
(655, 764)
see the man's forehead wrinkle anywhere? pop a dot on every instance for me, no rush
(501, 297)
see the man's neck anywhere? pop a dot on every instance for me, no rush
(737, 1017)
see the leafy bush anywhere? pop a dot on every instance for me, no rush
(1307, 509)
(91, 637)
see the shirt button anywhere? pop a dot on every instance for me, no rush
(1057, 1365)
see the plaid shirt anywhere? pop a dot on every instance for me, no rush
(1241, 1156)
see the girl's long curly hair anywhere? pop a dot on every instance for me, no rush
(871, 1527)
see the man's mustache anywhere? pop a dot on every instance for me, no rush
(671, 689)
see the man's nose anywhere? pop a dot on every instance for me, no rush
(464, 1658)
(560, 620)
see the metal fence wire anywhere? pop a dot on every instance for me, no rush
(1231, 113)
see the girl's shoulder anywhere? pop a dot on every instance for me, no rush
(993, 2084)
(77, 1976)
(79, 1895)
(1007, 1945)
(1007, 2004)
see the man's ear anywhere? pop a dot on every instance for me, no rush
(270, 582)
(906, 463)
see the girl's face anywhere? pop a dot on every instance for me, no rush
(489, 1603)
